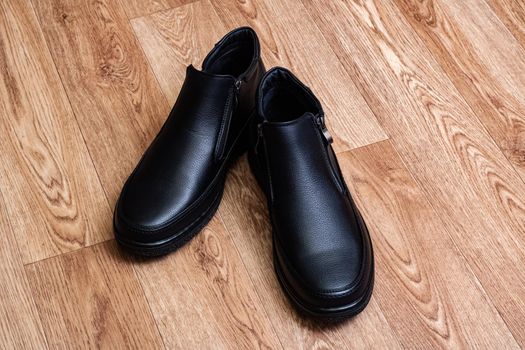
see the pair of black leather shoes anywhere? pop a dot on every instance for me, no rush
(322, 250)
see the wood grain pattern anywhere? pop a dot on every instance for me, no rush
(176, 38)
(462, 172)
(292, 41)
(206, 296)
(86, 84)
(53, 209)
(512, 14)
(92, 299)
(137, 8)
(112, 90)
(410, 245)
(480, 52)
(20, 327)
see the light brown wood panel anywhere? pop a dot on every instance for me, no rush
(290, 39)
(92, 299)
(476, 58)
(113, 92)
(20, 326)
(206, 298)
(460, 169)
(436, 305)
(512, 14)
(56, 202)
(245, 215)
(176, 38)
(81, 97)
(137, 8)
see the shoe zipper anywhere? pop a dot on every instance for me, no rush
(320, 123)
(332, 160)
(232, 105)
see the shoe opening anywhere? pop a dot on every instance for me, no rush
(285, 98)
(233, 55)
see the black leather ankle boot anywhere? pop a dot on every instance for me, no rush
(177, 185)
(322, 251)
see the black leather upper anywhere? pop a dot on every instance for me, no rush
(180, 173)
(322, 247)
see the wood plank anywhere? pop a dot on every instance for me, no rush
(447, 150)
(443, 203)
(512, 14)
(173, 39)
(20, 327)
(289, 39)
(474, 48)
(206, 298)
(114, 94)
(92, 299)
(429, 304)
(55, 199)
(138, 8)
(176, 38)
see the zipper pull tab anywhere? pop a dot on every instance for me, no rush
(236, 93)
(238, 84)
(328, 137)
(326, 134)
(232, 106)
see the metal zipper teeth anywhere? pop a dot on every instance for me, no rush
(232, 105)
(331, 157)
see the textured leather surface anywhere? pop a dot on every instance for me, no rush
(321, 244)
(182, 172)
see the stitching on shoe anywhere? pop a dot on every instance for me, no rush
(184, 229)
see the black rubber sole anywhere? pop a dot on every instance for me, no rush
(330, 315)
(179, 238)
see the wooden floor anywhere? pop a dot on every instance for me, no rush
(426, 100)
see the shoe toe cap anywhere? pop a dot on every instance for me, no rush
(146, 215)
(327, 281)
